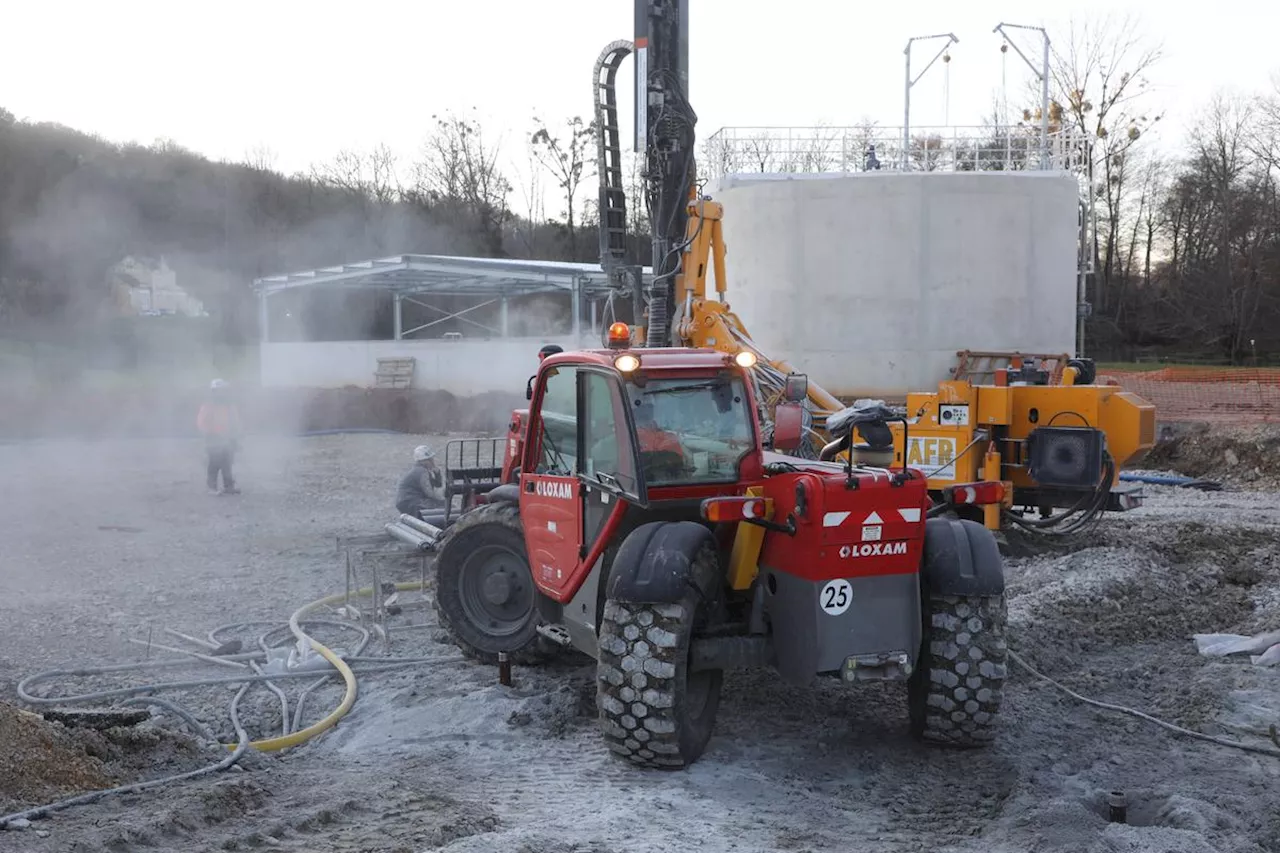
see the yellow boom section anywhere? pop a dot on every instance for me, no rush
(710, 323)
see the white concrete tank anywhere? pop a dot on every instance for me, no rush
(871, 282)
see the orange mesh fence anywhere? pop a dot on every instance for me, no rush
(1219, 394)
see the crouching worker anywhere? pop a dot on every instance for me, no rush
(422, 489)
(219, 423)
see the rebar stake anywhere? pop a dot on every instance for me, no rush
(504, 669)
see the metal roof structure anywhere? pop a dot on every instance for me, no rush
(412, 278)
(448, 274)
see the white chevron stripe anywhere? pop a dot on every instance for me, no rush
(911, 514)
(834, 519)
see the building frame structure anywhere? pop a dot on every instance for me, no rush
(418, 279)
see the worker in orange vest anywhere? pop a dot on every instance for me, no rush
(219, 423)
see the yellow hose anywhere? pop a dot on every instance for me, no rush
(301, 736)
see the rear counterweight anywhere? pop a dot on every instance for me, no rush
(838, 625)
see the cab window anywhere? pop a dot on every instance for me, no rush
(607, 451)
(558, 416)
(692, 430)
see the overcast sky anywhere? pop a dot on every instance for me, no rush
(306, 79)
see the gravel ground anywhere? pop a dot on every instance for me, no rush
(116, 540)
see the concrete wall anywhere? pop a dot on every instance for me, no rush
(463, 367)
(870, 282)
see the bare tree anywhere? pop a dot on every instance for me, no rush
(1101, 78)
(261, 158)
(370, 174)
(819, 153)
(569, 160)
(459, 171)
(927, 152)
(384, 183)
(1003, 146)
(1147, 220)
(637, 213)
(1264, 141)
(526, 231)
(718, 156)
(759, 152)
(1222, 222)
(860, 143)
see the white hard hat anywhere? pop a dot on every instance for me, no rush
(422, 453)
(217, 383)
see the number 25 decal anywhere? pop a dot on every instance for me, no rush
(836, 597)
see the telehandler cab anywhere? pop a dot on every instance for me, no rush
(646, 525)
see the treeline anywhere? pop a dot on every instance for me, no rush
(1185, 245)
(73, 205)
(1182, 253)
(1189, 249)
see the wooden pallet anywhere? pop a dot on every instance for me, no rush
(395, 373)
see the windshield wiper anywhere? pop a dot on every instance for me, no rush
(608, 482)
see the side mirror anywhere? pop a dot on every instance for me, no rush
(788, 427)
(796, 389)
(528, 389)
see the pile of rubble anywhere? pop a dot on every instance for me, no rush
(42, 761)
(1243, 454)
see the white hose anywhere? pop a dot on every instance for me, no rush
(1106, 706)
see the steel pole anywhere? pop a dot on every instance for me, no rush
(576, 298)
(906, 112)
(1081, 274)
(1043, 73)
(908, 83)
(264, 317)
(1044, 105)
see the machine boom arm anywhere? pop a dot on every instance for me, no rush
(704, 322)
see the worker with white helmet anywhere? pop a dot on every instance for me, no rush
(219, 423)
(422, 488)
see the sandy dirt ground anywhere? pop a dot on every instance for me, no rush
(116, 540)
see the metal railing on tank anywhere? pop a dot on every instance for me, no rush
(822, 150)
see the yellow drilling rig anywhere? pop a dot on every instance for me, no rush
(1040, 425)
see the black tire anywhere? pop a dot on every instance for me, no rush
(654, 712)
(954, 693)
(483, 620)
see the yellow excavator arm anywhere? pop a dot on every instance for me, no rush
(705, 322)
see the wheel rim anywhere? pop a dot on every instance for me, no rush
(496, 590)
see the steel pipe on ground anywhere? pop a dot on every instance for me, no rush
(409, 536)
(425, 528)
